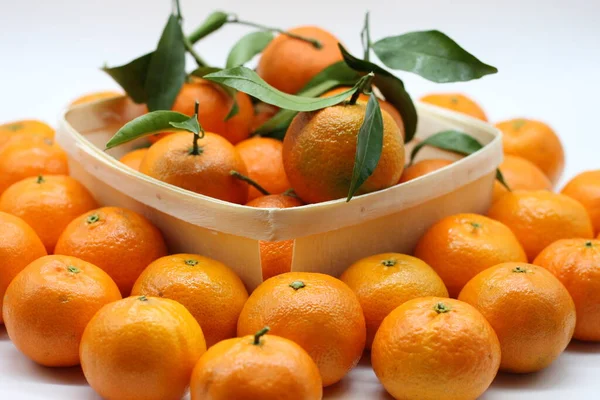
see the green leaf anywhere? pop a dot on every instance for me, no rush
(202, 71)
(247, 81)
(454, 141)
(368, 145)
(147, 124)
(190, 125)
(500, 178)
(248, 47)
(338, 74)
(166, 72)
(365, 37)
(212, 23)
(132, 77)
(392, 89)
(432, 55)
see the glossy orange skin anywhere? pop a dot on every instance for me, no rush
(535, 141)
(48, 305)
(276, 368)
(365, 98)
(324, 317)
(37, 155)
(20, 245)
(169, 160)
(141, 349)
(460, 246)
(385, 281)
(531, 312)
(576, 263)
(95, 96)
(134, 158)
(210, 290)
(264, 163)
(419, 353)
(320, 147)
(585, 188)
(121, 242)
(48, 204)
(276, 257)
(423, 167)
(539, 218)
(520, 174)
(288, 64)
(456, 102)
(24, 129)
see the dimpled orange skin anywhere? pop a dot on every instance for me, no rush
(320, 147)
(365, 98)
(120, 241)
(456, 102)
(20, 159)
(423, 167)
(210, 290)
(536, 142)
(95, 96)
(324, 317)
(530, 310)
(276, 257)
(460, 246)
(420, 353)
(539, 218)
(585, 188)
(134, 158)
(264, 162)
(24, 128)
(276, 368)
(288, 64)
(520, 174)
(141, 349)
(48, 305)
(208, 173)
(48, 204)
(20, 245)
(576, 263)
(383, 282)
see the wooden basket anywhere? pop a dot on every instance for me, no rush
(328, 236)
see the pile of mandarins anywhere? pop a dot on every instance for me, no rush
(97, 286)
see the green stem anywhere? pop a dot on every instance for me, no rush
(250, 181)
(177, 8)
(260, 334)
(361, 89)
(189, 46)
(365, 35)
(235, 20)
(195, 148)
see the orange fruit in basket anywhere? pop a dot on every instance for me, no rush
(365, 98)
(48, 305)
(539, 218)
(460, 246)
(262, 113)
(520, 174)
(276, 257)
(24, 127)
(530, 310)
(19, 246)
(456, 102)
(121, 242)
(317, 311)
(433, 348)
(210, 290)
(141, 348)
(423, 167)
(576, 263)
(288, 63)
(209, 172)
(264, 162)
(320, 147)
(95, 96)
(48, 204)
(384, 281)
(21, 158)
(256, 367)
(134, 158)
(536, 142)
(585, 188)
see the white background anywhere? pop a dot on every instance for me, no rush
(547, 53)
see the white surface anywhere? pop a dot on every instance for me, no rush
(546, 52)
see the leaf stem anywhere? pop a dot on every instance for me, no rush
(250, 181)
(260, 334)
(190, 49)
(235, 20)
(365, 36)
(361, 89)
(177, 8)
(195, 148)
